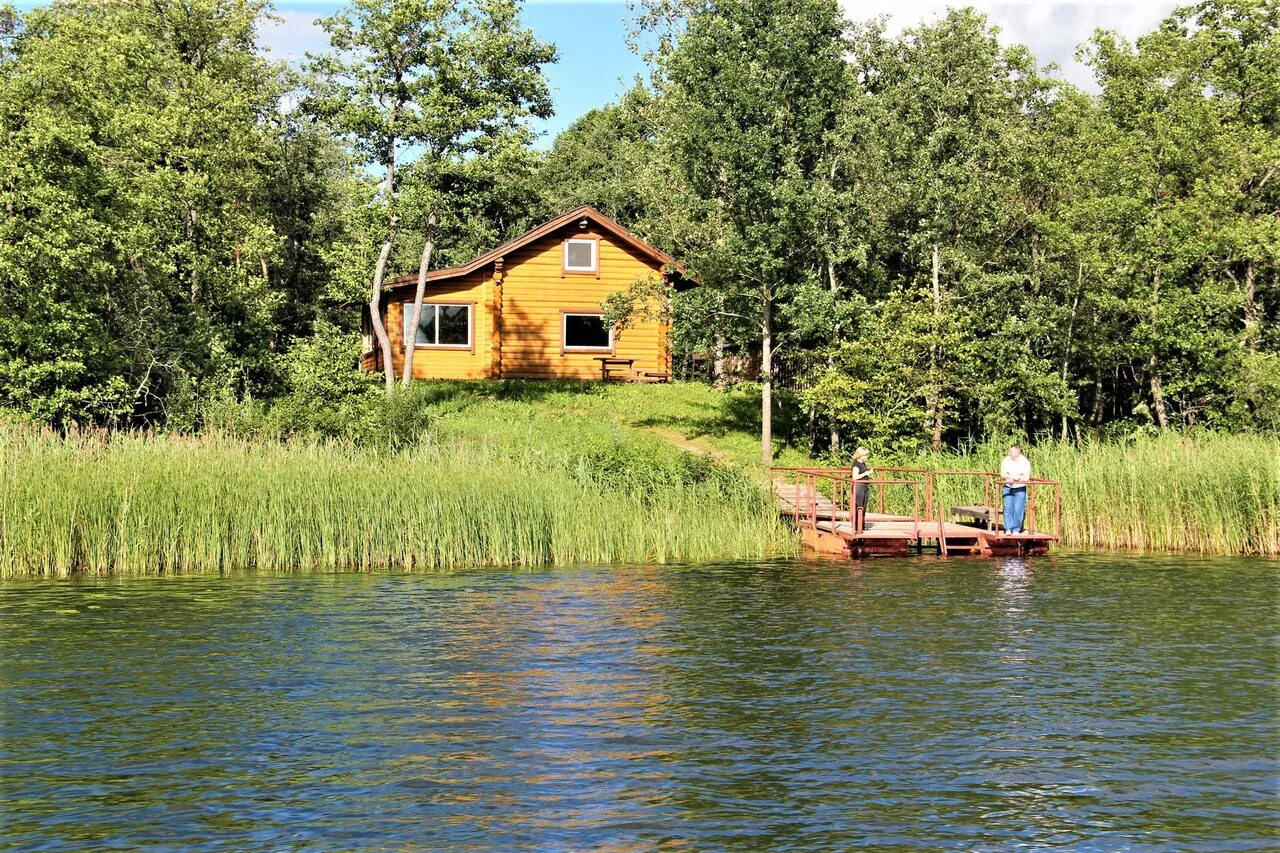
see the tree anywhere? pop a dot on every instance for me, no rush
(420, 87)
(750, 93)
(601, 160)
(961, 106)
(1195, 112)
(139, 244)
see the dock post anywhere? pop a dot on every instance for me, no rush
(928, 494)
(942, 535)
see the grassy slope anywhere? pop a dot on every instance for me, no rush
(532, 473)
(1206, 493)
(507, 474)
(724, 425)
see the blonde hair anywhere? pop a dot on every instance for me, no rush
(861, 452)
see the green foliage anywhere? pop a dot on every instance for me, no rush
(751, 93)
(436, 96)
(155, 227)
(1103, 262)
(648, 299)
(503, 477)
(601, 160)
(179, 247)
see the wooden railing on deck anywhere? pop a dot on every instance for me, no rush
(840, 482)
(842, 486)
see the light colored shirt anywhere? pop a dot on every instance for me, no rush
(1016, 472)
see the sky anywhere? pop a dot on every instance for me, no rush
(596, 66)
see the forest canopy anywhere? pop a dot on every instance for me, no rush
(915, 239)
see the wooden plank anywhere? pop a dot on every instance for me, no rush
(981, 513)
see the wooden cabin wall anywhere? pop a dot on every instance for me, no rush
(447, 363)
(536, 292)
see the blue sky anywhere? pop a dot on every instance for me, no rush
(596, 66)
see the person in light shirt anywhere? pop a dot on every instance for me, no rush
(1015, 470)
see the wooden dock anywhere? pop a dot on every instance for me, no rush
(817, 501)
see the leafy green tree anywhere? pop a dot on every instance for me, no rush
(138, 249)
(602, 159)
(750, 93)
(1195, 111)
(962, 107)
(422, 88)
(853, 199)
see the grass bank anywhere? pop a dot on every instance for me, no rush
(1199, 493)
(533, 473)
(488, 483)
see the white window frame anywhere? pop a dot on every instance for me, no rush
(564, 332)
(595, 254)
(435, 306)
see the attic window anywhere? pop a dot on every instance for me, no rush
(580, 255)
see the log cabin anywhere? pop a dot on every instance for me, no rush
(531, 308)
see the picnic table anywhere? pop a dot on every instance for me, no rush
(609, 363)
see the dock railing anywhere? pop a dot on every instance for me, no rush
(932, 493)
(837, 486)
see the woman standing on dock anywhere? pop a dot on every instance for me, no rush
(1015, 470)
(861, 474)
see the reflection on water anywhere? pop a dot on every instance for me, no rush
(1089, 703)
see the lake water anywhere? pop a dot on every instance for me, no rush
(1083, 703)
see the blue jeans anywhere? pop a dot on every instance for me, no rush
(1015, 507)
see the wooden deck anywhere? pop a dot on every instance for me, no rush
(825, 525)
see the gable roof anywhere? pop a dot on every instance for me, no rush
(585, 211)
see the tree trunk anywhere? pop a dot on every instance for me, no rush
(766, 381)
(1251, 307)
(416, 316)
(717, 366)
(1099, 403)
(1157, 393)
(835, 339)
(1071, 327)
(1157, 396)
(192, 219)
(375, 307)
(380, 270)
(935, 383)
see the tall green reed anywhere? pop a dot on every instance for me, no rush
(1205, 493)
(142, 504)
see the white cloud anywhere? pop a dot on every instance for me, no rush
(291, 37)
(1053, 30)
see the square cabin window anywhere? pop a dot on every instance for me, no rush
(586, 332)
(441, 326)
(580, 255)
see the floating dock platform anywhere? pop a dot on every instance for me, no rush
(910, 515)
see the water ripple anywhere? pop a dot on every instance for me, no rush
(1073, 703)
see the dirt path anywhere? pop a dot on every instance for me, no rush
(698, 448)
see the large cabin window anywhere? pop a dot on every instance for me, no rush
(587, 332)
(580, 255)
(441, 326)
